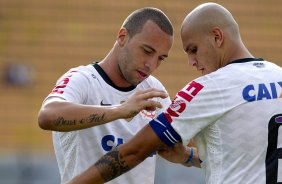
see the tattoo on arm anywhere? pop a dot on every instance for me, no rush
(96, 118)
(111, 165)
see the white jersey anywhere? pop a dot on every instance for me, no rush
(78, 150)
(234, 115)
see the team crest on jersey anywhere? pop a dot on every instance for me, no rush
(144, 113)
(148, 114)
(176, 107)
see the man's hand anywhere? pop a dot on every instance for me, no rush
(140, 100)
(175, 154)
(181, 155)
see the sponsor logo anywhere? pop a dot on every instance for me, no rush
(59, 88)
(179, 103)
(93, 76)
(109, 142)
(262, 91)
(259, 65)
(176, 107)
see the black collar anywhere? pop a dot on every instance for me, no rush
(244, 60)
(109, 81)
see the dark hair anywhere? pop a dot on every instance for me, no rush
(136, 20)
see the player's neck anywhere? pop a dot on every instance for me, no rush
(111, 68)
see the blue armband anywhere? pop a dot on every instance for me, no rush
(164, 130)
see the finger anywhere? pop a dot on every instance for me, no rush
(152, 104)
(149, 90)
(150, 108)
(155, 94)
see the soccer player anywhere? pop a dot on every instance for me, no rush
(233, 111)
(103, 93)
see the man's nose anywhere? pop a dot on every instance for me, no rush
(192, 61)
(151, 63)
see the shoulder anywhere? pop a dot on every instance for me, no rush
(83, 70)
(77, 75)
(224, 76)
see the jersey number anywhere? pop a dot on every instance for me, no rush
(273, 154)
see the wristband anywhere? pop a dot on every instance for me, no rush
(190, 159)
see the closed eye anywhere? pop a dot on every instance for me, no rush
(162, 58)
(193, 50)
(150, 51)
(147, 51)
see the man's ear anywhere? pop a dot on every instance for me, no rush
(122, 36)
(218, 36)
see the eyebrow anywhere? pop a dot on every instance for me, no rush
(154, 50)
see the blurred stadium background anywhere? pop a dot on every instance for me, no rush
(40, 40)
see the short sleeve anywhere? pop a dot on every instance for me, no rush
(195, 107)
(72, 86)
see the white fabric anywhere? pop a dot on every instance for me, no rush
(230, 132)
(78, 150)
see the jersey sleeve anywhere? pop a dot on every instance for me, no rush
(197, 105)
(72, 86)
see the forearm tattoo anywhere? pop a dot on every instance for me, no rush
(96, 118)
(111, 165)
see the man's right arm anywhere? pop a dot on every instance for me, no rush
(60, 115)
(152, 137)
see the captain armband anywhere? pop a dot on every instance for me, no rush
(164, 130)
